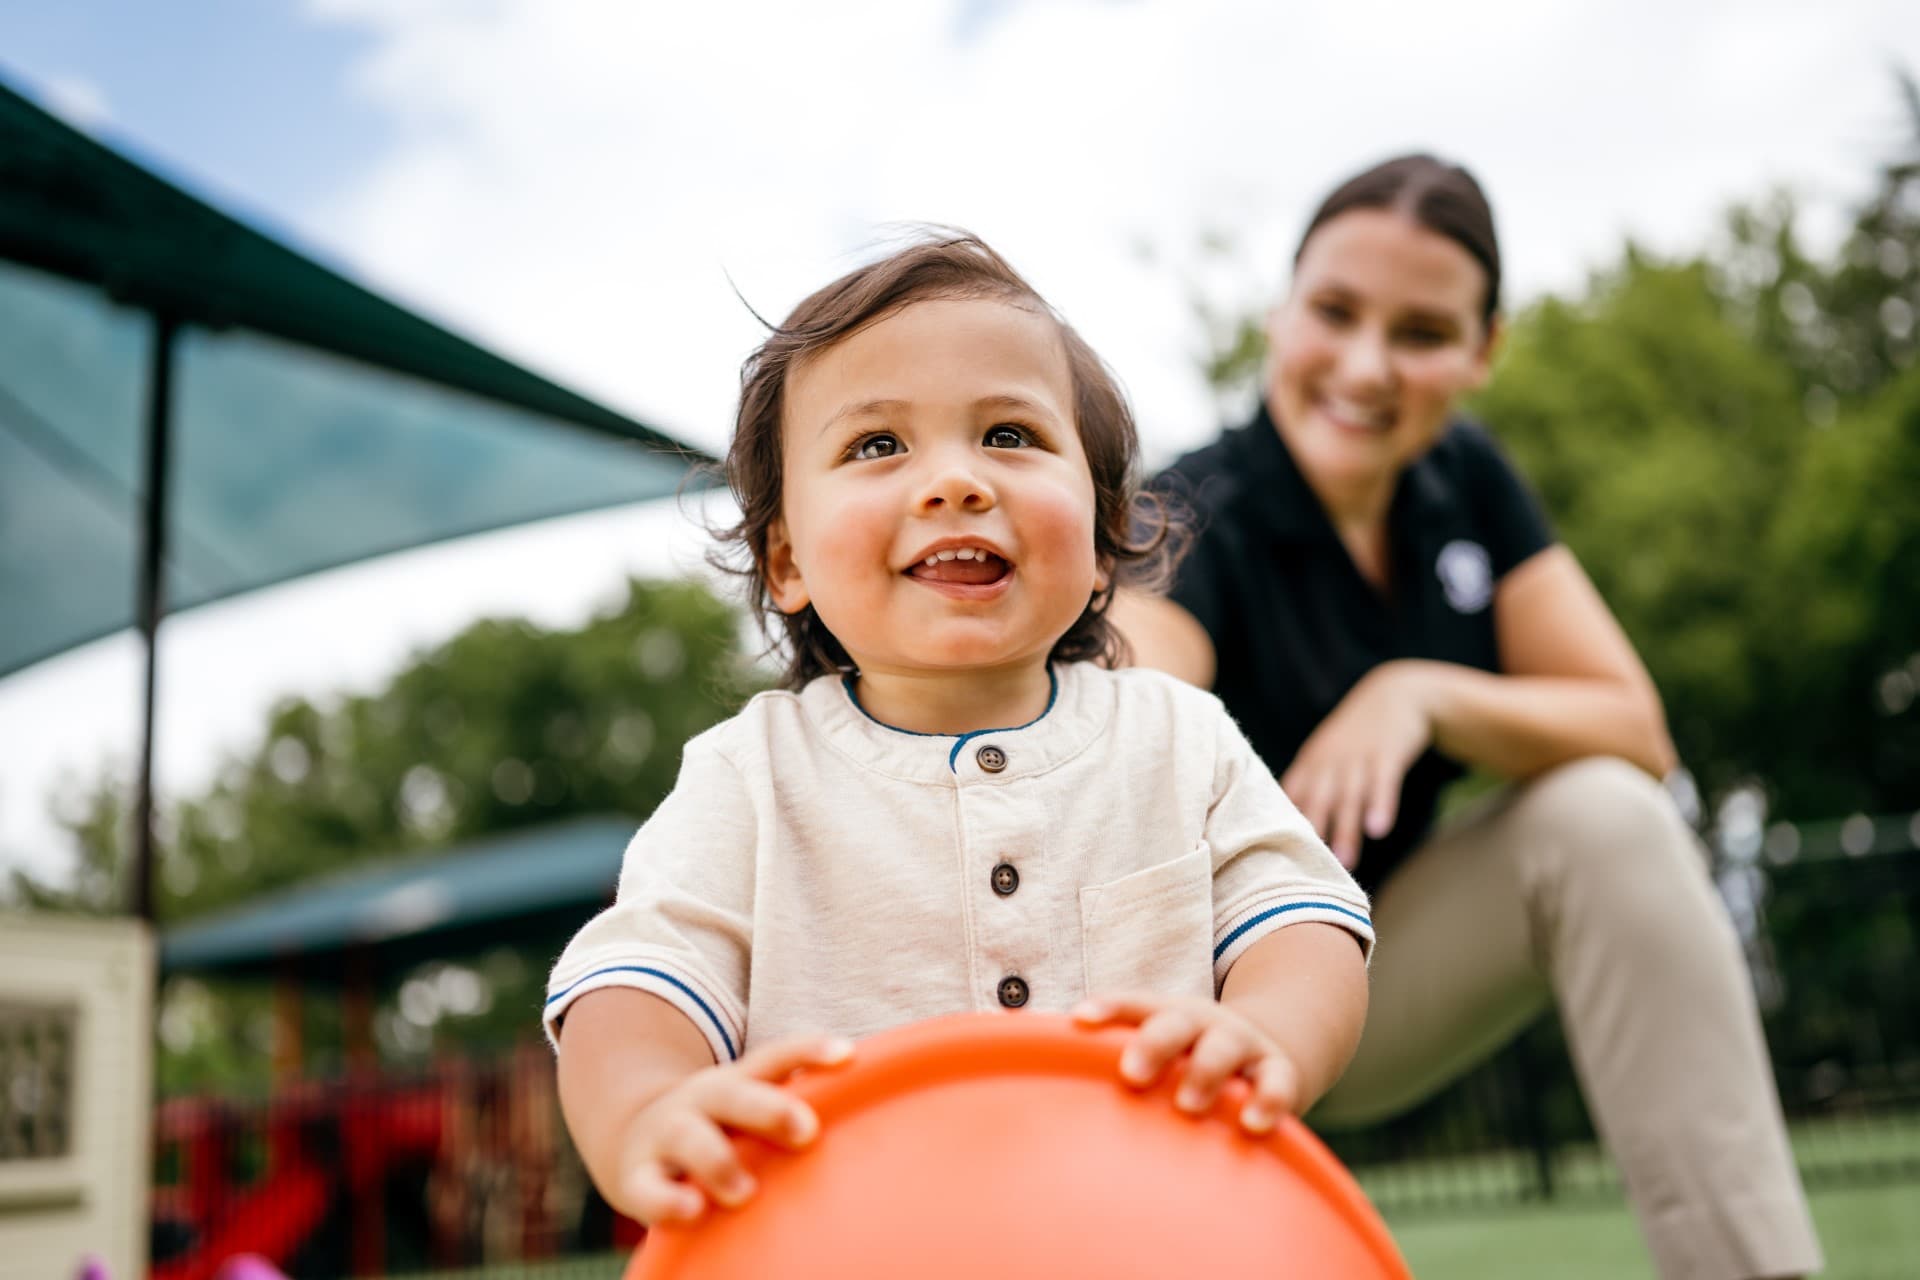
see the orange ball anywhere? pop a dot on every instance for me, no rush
(1006, 1147)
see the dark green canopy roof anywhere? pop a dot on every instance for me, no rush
(527, 883)
(313, 423)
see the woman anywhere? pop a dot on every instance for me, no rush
(1378, 600)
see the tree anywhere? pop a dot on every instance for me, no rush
(505, 725)
(1848, 326)
(1730, 441)
(1658, 437)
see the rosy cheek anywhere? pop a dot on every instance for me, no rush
(1301, 364)
(1059, 526)
(846, 529)
(850, 530)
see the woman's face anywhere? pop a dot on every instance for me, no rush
(1378, 336)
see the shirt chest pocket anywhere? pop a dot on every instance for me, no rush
(1152, 930)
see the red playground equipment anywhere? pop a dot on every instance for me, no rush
(1006, 1147)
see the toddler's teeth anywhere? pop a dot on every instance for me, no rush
(933, 560)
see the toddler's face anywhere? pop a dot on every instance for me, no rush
(938, 511)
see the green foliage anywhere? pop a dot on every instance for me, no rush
(1848, 326)
(1731, 444)
(505, 725)
(1841, 648)
(502, 726)
(1659, 437)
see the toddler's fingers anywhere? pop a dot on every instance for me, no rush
(1124, 1006)
(778, 1061)
(653, 1197)
(1276, 1093)
(700, 1150)
(1216, 1058)
(1092, 1012)
(765, 1110)
(1161, 1038)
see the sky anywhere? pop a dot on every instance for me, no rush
(606, 190)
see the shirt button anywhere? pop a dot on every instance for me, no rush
(1013, 992)
(991, 758)
(1005, 879)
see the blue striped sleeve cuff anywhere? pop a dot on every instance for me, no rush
(679, 989)
(1258, 919)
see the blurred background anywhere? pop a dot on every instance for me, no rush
(356, 361)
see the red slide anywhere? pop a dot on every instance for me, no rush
(272, 1220)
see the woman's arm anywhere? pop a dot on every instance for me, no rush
(1159, 633)
(1573, 685)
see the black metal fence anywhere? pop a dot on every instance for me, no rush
(468, 1164)
(1831, 917)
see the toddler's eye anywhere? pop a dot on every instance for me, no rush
(877, 446)
(1006, 437)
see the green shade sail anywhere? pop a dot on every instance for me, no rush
(532, 882)
(312, 423)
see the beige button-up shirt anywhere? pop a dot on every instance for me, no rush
(817, 871)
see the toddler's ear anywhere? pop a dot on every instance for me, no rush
(784, 583)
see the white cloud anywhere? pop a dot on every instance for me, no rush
(577, 181)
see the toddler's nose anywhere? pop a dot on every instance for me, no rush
(956, 487)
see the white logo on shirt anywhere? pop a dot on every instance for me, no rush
(1466, 575)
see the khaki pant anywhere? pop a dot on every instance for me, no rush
(1585, 887)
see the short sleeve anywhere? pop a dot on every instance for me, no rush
(1513, 523)
(681, 926)
(1270, 869)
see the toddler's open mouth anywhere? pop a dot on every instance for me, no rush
(961, 566)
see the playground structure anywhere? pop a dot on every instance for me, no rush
(368, 1175)
(75, 1061)
(176, 387)
(378, 1169)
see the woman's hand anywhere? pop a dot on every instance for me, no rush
(1220, 1042)
(1346, 777)
(676, 1155)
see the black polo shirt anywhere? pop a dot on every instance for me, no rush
(1293, 622)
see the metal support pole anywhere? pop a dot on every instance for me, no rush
(152, 593)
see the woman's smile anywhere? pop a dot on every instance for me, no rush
(1352, 415)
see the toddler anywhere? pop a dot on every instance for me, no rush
(952, 804)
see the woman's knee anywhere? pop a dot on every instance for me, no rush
(1602, 828)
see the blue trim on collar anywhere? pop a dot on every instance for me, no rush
(1053, 695)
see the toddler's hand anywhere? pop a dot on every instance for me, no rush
(677, 1156)
(1220, 1043)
